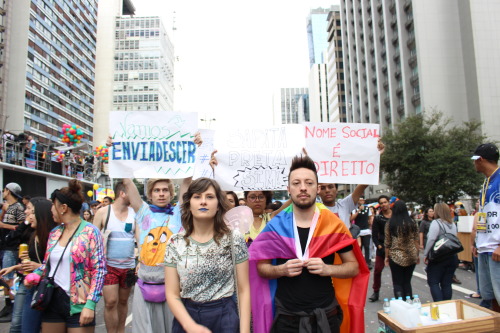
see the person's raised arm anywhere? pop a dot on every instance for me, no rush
(358, 192)
(133, 194)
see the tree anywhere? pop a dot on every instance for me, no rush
(427, 157)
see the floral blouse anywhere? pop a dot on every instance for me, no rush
(87, 265)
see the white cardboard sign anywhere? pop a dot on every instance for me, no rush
(344, 153)
(152, 144)
(203, 154)
(256, 158)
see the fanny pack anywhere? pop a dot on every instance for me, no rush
(152, 291)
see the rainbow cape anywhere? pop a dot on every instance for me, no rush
(330, 235)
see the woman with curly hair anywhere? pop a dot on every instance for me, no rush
(199, 273)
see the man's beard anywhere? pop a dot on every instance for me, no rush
(304, 205)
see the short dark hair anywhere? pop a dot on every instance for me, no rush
(383, 197)
(267, 194)
(303, 161)
(109, 198)
(119, 187)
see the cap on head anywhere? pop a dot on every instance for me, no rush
(15, 189)
(94, 202)
(488, 151)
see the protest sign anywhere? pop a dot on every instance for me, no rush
(203, 153)
(152, 144)
(256, 159)
(344, 153)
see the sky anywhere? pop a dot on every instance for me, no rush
(233, 55)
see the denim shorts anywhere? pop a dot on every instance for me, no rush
(58, 311)
(219, 316)
(9, 258)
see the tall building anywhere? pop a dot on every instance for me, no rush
(138, 70)
(318, 93)
(291, 106)
(317, 35)
(47, 66)
(407, 57)
(335, 68)
(318, 43)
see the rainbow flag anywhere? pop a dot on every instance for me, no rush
(330, 235)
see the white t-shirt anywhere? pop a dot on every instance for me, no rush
(120, 247)
(343, 209)
(62, 278)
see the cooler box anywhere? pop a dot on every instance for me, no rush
(466, 317)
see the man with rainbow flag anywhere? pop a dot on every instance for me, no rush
(298, 283)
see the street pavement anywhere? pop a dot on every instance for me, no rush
(419, 284)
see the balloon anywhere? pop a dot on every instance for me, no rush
(96, 187)
(90, 193)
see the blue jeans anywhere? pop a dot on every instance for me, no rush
(219, 316)
(440, 276)
(32, 319)
(17, 310)
(9, 258)
(489, 271)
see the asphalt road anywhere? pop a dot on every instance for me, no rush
(419, 284)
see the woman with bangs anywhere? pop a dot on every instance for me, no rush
(199, 272)
(39, 219)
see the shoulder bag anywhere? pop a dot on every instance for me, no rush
(45, 289)
(445, 246)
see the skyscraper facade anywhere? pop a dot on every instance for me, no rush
(291, 106)
(408, 57)
(48, 66)
(317, 35)
(144, 66)
(335, 68)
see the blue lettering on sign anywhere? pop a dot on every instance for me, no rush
(181, 152)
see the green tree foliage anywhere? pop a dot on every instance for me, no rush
(427, 157)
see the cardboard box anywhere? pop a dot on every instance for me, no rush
(465, 223)
(474, 318)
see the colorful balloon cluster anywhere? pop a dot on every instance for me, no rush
(71, 134)
(102, 153)
(59, 155)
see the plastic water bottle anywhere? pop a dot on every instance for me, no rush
(400, 298)
(408, 300)
(416, 302)
(387, 306)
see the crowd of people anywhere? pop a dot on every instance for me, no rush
(303, 265)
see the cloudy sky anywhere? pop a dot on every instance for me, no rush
(232, 55)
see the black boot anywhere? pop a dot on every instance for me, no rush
(374, 297)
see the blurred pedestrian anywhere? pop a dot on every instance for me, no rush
(424, 226)
(440, 274)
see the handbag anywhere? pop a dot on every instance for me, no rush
(152, 291)
(45, 289)
(445, 246)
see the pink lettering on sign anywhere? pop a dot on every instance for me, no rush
(344, 168)
(362, 133)
(317, 132)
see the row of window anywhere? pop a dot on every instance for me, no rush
(137, 33)
(135, 98)
(137, 23)
(137, 76)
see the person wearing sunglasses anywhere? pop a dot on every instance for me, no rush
(116, 222)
